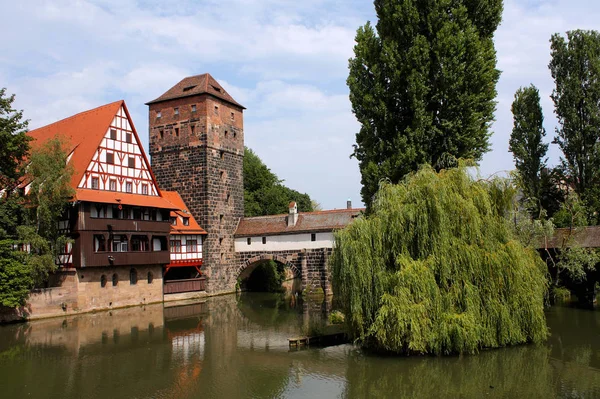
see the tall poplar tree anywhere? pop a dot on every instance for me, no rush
(527, 146)
(575, 67)
(422, 86)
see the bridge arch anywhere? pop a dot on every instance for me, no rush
(246, 268)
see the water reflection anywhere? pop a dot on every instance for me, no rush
(233, 346)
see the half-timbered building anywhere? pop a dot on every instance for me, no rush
(184, 272)
(119, 220)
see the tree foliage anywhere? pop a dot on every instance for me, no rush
(527, 146)
(264, 193)
(436, 269)
(575, 67)
(422, 86)
(14, 143)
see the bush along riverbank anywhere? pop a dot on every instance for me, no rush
(435, 269)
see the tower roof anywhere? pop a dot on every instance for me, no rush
(195, 85)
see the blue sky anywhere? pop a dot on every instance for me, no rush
(286, 61)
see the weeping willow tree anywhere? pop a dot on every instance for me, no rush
(435, 269)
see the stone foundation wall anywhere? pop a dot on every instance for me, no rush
(79, 291)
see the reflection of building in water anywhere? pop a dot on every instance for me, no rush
(185, 331)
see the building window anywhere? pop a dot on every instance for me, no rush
(113, 134)
(158, 114)
(234, 134)
(115, 279)
(131, 162)
(128, 137)
(98, 211)
(110, 158)
(220, 219)
(191, 246)
(145, 189)
(313, 237)
(113, 184)
(133, 277)
(264, 240)
(129, 187)
(192, 129)
(216, 110)
(95, 183)
(150, 277)
(186, 221)
(222, 155)
(232, 116)
(99, 243)
(140, 243)
(176, 111)
(177, 132)
(119, 244)
(226, 133)
(173, 221)
(176, 246)
(193, 107)
(249, 240)
(103, 281)
(162, 133)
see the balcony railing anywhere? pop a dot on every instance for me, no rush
(187, 285)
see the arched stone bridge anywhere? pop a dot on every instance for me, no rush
(309, 265)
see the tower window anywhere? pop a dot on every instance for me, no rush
(177, 131)
(192, 129)
(158, 114)
(131, 162)
(162, 133)
(234, 134)
(193, 107)
(222, 175)
(222, 154)
(110, 158)
(226, 132)
(176, 111)
(220, 219)
(113, 134)
(232, 116)
(216, 110)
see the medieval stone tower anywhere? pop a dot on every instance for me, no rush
(197, 149)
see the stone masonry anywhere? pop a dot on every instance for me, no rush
(198, 151)
(308, 264)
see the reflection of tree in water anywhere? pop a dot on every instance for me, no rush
(269, 310)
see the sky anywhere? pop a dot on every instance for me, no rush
(286, 61)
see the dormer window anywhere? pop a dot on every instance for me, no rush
(173, 221)
(186, 221)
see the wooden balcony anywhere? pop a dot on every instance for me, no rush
(187, 285)
(131, 258)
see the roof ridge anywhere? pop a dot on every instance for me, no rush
(308, 213)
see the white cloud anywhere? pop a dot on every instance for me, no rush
(285, 61)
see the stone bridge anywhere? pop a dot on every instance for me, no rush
(308, 265)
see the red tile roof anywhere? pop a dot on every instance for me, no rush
(195, 85)
(307, 222)
(114, 197)
(82, 134)
(182, 210)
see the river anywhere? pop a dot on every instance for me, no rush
(237, 347)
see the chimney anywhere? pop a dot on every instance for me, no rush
(293, 215)
(349, 204)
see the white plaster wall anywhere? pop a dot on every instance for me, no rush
(285, 242)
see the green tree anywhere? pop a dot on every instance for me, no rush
(15, 277)
(264, 193)
(575, 67)
(422, 86)
(526, 144)
(435, 268)
(14, 147)
(48, 198)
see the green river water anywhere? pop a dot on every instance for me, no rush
(237, 347)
